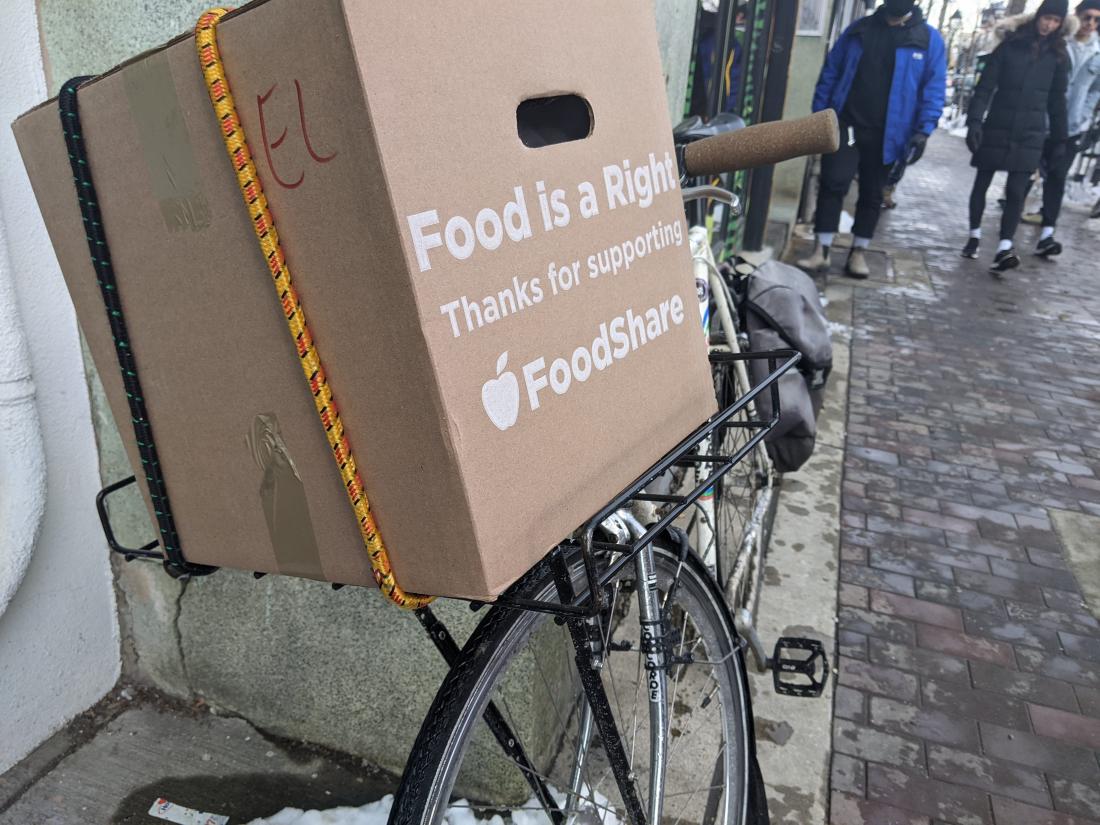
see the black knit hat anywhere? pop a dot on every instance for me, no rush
(1057, 8)
(1088, 5)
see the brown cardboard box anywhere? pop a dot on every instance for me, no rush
(444, 267)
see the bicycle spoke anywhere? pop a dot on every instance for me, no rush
(548, 779)
(511, 719)
(679, 673)
(607, 663)
(634, 725)
(603, 778)
(611, 613)
(549, 691)
(695, 791)
(680, 818)
(682, 738)
(465, 804)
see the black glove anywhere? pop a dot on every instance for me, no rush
(915, 150)
(974, 137)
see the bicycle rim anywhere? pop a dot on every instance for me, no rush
(744, 504)
(524, 663)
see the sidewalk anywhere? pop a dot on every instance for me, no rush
(969, 685)
(113, 762)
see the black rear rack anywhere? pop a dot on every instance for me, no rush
(686, 454)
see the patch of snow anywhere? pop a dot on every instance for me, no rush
(1082, 192)
(377, 813)
(953, 122)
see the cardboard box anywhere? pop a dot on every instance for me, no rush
(494, 392)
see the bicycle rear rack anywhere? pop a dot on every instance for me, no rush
(174, 563)
(687, 453)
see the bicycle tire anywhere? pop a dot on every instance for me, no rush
(452, 725)
(745, 502)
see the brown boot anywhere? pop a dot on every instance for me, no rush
(818, 261)
(857, 265)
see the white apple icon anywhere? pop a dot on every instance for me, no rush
(500, 396)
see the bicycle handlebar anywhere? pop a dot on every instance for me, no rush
(764, 144)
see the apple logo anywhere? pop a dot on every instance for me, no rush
(500, 396)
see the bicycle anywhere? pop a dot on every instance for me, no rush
(530, 718)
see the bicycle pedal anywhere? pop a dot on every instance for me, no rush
(798, 675)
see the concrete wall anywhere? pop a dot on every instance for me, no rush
(59, 648)
(807, 55)
(675, 29)
(343, 669)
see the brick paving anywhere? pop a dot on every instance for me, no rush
(969, 667)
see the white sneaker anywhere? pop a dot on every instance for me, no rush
(857, 265)
(818, 261)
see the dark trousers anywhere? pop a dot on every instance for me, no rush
(1054, 185)
(1015, 194)
(837, 173)
(895, 173)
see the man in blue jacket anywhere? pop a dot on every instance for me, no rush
(886, 78)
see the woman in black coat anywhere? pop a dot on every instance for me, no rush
(1023, 87)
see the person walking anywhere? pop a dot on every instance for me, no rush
(1018, 111)
(1082, 95)
(886, 77)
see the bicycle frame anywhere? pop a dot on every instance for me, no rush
(653, 642)
(597, 708)
(706, 271)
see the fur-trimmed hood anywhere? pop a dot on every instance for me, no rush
(1011, 24)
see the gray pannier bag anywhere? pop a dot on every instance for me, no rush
(782, 310)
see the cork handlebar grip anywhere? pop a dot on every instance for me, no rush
(764, 144)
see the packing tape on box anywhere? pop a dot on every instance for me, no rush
(236, 145)
(162, 132)
(283, 497)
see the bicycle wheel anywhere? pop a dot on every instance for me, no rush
(744, 499)
(523, 662)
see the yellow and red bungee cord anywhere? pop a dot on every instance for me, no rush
(262, 222)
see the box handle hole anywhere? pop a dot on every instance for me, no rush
(545, 121)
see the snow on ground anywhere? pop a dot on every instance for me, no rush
(376, 813)
(1082, 192)
(954, 124)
